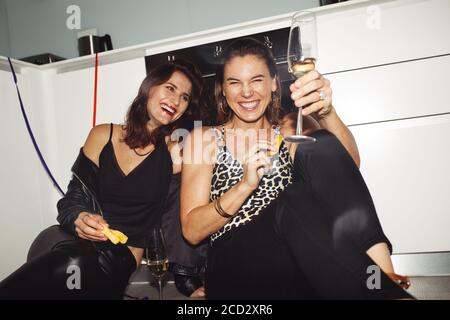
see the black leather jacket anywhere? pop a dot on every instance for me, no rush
(186, 262)
(82, 193)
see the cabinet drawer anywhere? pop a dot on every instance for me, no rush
(379, 33)
(397, 91)
(405, 165)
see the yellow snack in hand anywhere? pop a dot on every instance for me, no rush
(122, 238)
(111, 236)
(114, 236)
(278, 140)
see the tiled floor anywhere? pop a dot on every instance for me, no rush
(430, 288)
(423, 288)
(144, 287)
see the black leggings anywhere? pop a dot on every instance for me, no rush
(61, 266)
(328, 220)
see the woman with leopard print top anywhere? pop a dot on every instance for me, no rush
(285, 221)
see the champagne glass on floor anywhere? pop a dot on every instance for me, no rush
(157, 260)
(301, 58)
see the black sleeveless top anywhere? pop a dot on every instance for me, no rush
(134, 203)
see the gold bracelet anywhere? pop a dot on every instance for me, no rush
(220, 210)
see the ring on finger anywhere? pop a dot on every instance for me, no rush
(322, 95)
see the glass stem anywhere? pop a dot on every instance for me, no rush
(160, 289)
(299, 129)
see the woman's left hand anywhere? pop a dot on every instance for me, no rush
(306, 92)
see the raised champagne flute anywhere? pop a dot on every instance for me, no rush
(157, 260)
(301, 58)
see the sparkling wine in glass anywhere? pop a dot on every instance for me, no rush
(301, 58)
(157, 260)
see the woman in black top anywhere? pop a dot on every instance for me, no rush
(121, 180)
(285, 221)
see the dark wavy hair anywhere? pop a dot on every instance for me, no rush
(241, 48)
(136, 131)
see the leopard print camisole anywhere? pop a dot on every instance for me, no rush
(228, 171)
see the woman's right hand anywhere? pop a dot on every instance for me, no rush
(199, 293)
(88, 226)
(257, 163)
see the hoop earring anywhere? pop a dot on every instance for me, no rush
(222, 105)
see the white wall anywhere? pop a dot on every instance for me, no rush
(20, 188)
(73, 93)
(4, 32)
(59, 107)
(40, 26)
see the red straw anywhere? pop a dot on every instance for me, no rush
(94, 116)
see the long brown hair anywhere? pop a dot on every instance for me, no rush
(136, 131)
(240, 48)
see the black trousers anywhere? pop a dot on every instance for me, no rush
(328, 220)
(61, 266)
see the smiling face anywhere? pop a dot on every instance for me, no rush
(168, 101)
(248, 87)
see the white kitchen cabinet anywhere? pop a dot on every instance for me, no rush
(397, 91)
(382, 32)
(406, 166)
